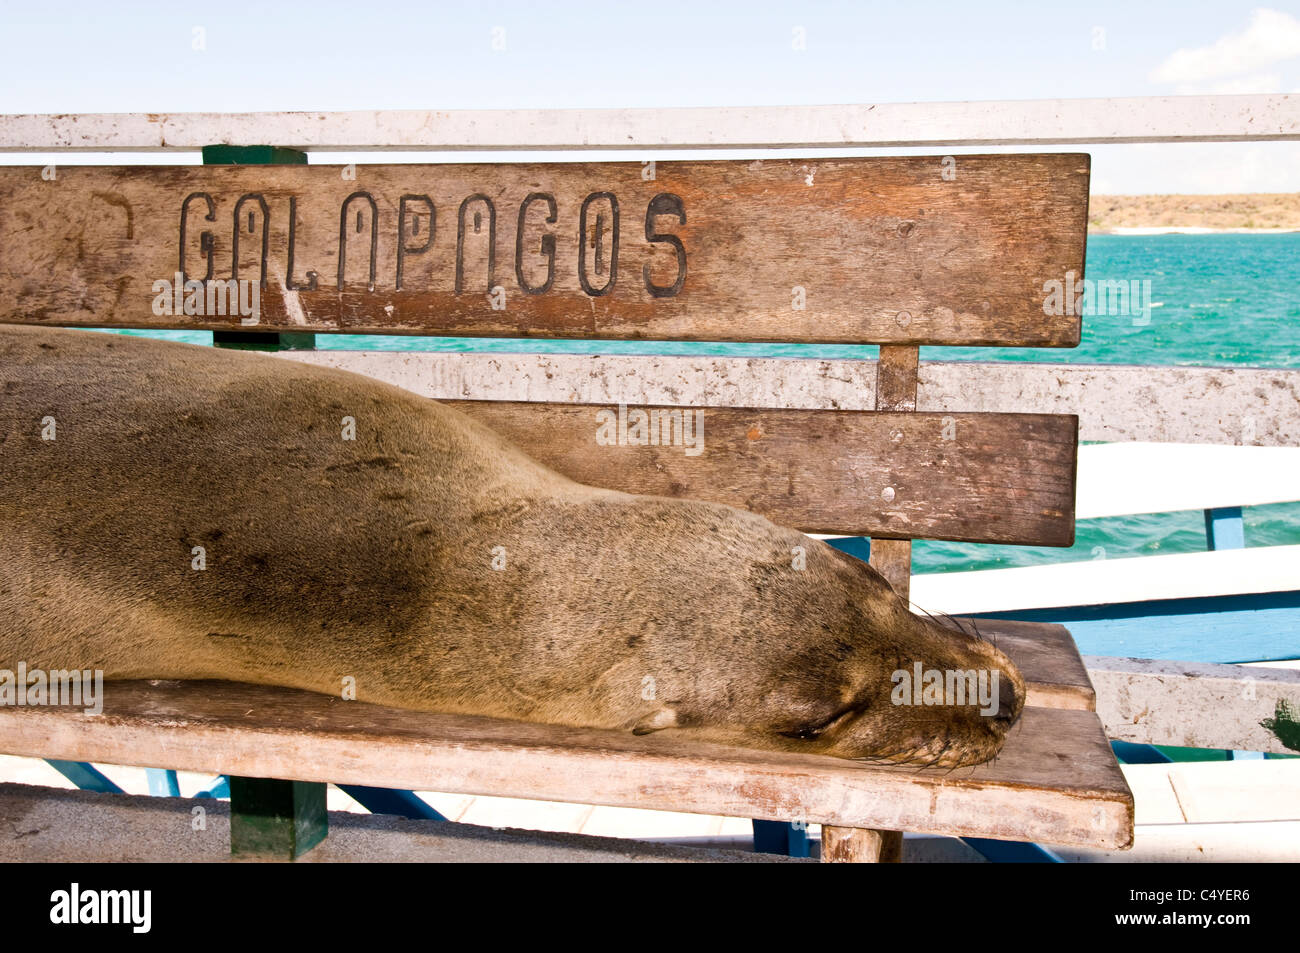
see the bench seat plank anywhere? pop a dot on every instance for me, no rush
(1055, 781)
(1045, 653)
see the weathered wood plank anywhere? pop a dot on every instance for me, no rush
(836, 250)
(1046, 655)
(896, 378)
(895, 392)
(851, 845)
(1218, 405)
(1234, 118)
(1055, 781)
(1004, 478)
(1193, 705)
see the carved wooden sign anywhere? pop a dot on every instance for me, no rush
(892, 250)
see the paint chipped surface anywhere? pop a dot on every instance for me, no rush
(1284, 725)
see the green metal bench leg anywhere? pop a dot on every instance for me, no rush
(259, 340)
(269, 819)
(276, 820)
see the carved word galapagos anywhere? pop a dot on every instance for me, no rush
(598, 220)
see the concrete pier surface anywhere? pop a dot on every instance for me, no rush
(51, 825)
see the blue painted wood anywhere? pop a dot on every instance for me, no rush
(85, 776)
(220, 788)
(1012, 852)
(1224, 528)
(1259, 627)
(858, 546)
(388, 801)
(781, 837)
(1129, 753)
(1245, 755)
(162, 782)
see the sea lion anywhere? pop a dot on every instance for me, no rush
(182, 512)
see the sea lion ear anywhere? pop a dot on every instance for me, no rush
(656, 721)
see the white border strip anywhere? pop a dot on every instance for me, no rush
(1010, 122)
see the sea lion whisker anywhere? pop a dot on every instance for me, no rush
(947, 743)
(916, 754)
(951, 622)
(982, 637)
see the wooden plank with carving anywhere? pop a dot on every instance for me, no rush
(1055, 780)
(973, 477)
(891, 250)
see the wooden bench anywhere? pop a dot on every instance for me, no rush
(900, 252)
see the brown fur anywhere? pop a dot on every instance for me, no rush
(373, 558)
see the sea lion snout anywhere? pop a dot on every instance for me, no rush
(893, 686)
(947, 703)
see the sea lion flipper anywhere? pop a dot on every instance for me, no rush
(657, 720)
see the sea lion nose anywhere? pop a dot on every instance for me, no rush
(1009, 704)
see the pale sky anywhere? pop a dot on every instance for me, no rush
(178, 56)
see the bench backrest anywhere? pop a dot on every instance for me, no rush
(900, 252)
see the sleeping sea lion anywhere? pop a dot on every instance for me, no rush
(182, 512)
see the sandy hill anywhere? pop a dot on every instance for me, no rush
(1107, 213)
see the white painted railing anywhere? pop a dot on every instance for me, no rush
(1014, 123)
(1121, 479)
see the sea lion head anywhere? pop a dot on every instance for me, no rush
(891, 686)
(827, 659)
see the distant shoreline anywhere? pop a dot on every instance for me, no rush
(1259, 214)
(1189, 230)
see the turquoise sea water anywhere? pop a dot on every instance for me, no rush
(1217, 299)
